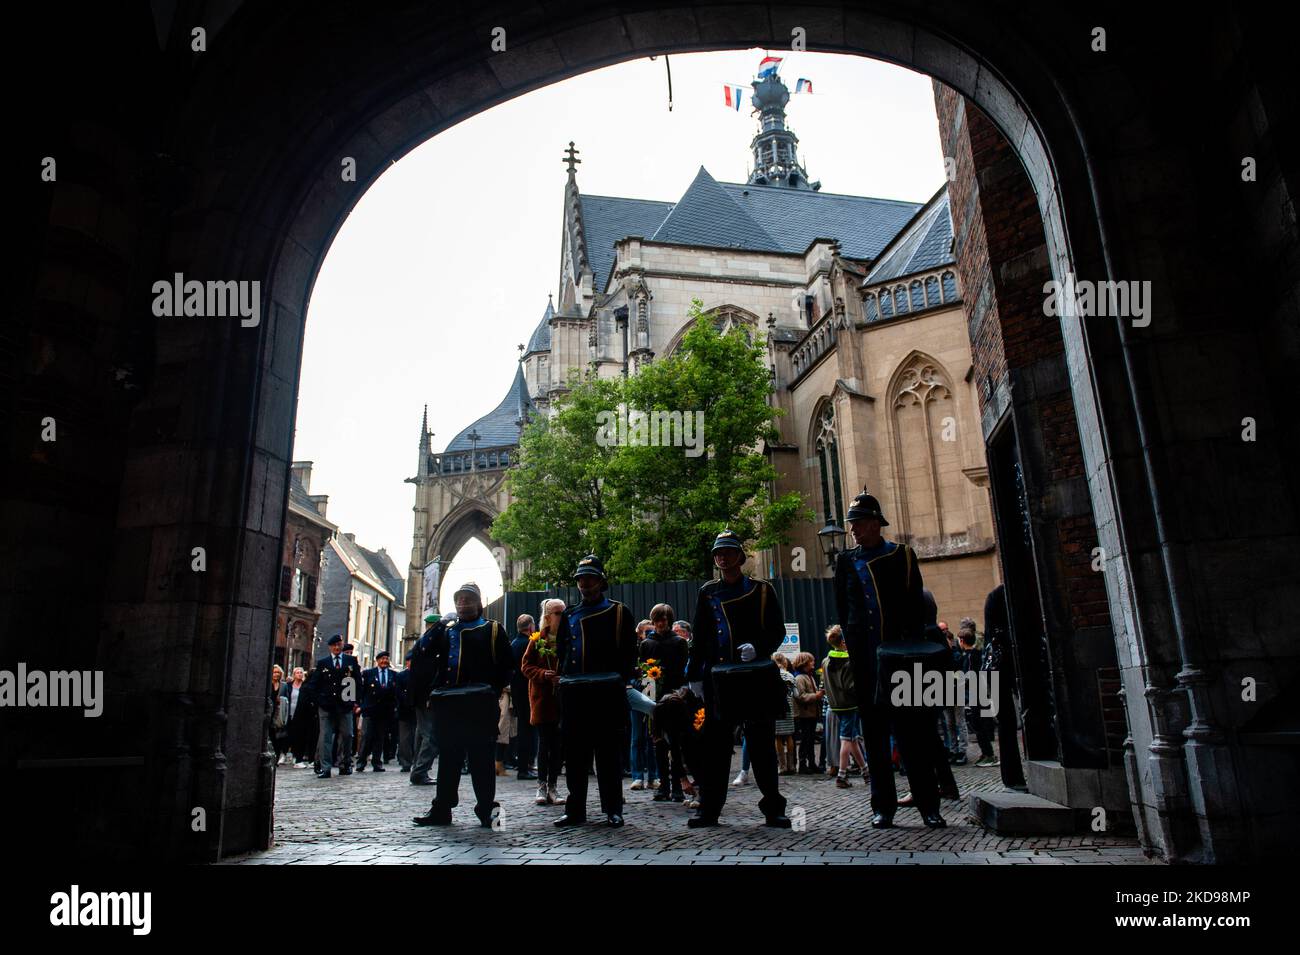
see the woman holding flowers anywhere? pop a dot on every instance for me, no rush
(540, 668)
(663, 661)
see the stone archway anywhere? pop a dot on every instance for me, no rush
(245, 185)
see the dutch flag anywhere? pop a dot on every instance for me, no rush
(803, 86)
(768, 66)
(731, 96)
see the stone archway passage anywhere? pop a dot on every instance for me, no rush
(226, 164)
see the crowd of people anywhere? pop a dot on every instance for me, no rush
(664, 702)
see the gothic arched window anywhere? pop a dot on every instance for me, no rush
(828, 462)
(927, 450)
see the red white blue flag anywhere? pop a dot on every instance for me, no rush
(768, 66)
(803, 86)
(731, 96)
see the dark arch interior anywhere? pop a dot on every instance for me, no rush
(225, 163)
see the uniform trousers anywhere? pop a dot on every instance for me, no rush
(718, 740)
(374, 732)
(604, 736)
(482, 773)
(916, 733)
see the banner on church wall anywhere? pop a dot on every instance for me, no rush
(431, 582)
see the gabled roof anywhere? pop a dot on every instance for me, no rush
(541, 338)
(608, 219)
(355, 557)
(387, 571)
(705, 215)
(300, 501)
(794, 217)
(925, 244)
(500, 426)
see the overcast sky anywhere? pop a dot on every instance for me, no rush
(444, 265)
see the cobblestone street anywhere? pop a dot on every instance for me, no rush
(366, 819)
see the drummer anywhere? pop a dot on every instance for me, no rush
(738, 619)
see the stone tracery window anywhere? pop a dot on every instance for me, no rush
(928, 457)
(828, 462)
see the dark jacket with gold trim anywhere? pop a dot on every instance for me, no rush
(485, 656)
(897, 576)
(754, 617)
(608, 642)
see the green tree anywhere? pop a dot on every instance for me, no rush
(651, 510)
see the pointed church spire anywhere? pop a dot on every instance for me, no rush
(423, 466)
(776, 155)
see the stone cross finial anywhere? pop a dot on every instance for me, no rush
(571, 158)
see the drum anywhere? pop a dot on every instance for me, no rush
(748, 691)
(593, 696)
(464, 714)
(904, 656)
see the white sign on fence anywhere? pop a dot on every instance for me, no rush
(790, 645)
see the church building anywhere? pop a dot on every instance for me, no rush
(859, 301)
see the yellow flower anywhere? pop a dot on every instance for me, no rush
(699, 718)
(654, 672)
(650, 662)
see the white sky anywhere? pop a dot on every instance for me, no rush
(444, 265)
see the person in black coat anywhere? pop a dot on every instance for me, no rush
(336, 683)
(423, 667)
(669, 652)
(525, 736)
(597, 636)
(879, 598)
(471, 650)
(738, 619)
(405, 717)
(378, 711)
(304, 726)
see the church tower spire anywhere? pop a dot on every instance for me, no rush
(775, 146)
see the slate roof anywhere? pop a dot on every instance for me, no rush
(357, 555)
(298, 495)
(541, 338)
(705, 215)
(608, 219)
(499, 426)
(925, 244)
(387, 571)
(794, 217)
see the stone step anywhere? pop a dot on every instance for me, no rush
(1015, 813)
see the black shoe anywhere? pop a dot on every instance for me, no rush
(423, 781)
(679, 796)
(662, 796)
(959, 760)
(779, 821)
(406, 769)
(614, 820)
(882, 821)
(360, 769)
(701, 822)
(379, 768)
(566, 821)
(527, 774)
(486, 820)
(323, 774)
(345, 772)
(433, 818)
(949, 794)
(933, 820)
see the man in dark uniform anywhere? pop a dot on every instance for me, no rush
(470, 650)
(378, 711)
(423, 665)
(336, 681)
(737, 619)
(879, 597)
(596, 636)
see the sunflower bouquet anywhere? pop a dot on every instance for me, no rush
(545, 645)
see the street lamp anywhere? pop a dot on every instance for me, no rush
(831, 536)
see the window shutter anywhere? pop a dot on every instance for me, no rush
(286, 583)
